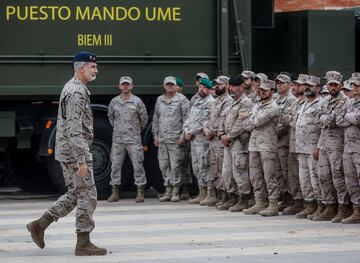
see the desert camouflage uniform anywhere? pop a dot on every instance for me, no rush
(351, 121)
(218, 110)
(331, 147)
(235, 170)
(198, 117)
(307, 135)
(168, 123)
(128, 118)
(74, 137)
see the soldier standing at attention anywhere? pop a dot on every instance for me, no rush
(171, 112)
(74, 137)
(197, 96)
(332, 179)
(218, 110)
(351, 121)
(264, 161)
(193, 132)
(127, 114)
(250, 84)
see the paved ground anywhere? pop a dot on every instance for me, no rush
(166, 232)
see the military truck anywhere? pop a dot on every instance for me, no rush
(146, 40)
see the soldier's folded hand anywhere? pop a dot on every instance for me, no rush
(82, 169)
(156, 142)
(316, 152)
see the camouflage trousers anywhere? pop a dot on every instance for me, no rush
(264, 174)
(170, 156)
(200, 155)
(283, 153)
(235, 170)
(186, 164)
(136, 154)
(216, 162)
(81, 193)
(352, 176)
(331, 177)
(293, 177)
(309, 177)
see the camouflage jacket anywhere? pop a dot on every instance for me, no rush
(294, 115)
(128, 118)
(169, 118)
(74, 134)
(218, 110)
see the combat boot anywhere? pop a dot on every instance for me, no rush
(114, 197)
(167, 195)
(241, 204)
(85, 248)
(310, 208)
(223, 198)
(256, 208)
(185, 192)
(140, 194)
(210, 199)
(286, 201)
(354, 218)
(175, 197)
(37, 229)
(328, 214)
(297, 207)
(272, 209)
(233, 199)
(201, 196)
(319, 211)
(344, 211)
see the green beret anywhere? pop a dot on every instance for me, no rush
(206, 82)
(179, 82)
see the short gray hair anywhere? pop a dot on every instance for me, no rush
(78, 65)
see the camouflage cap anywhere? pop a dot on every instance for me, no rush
(248, 74)
(283, 78)
(355, 75)
(347, 85)
(262, 77)
(312, 80)
(222, 80)
(267, 85)
(170, 79)
(355, 81)
(333, 77)
(200, 75)
(324, 90)
(302, 78)
(126, 79)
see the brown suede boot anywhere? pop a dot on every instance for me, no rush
(297, 207)
(201, 196)
(255, 209)
(344, 211)
(328, 214)
(185, 192)
(211, 198)
(114, 197)
(241, 204)
(354, 218)
(233, 199)
(271, 210)
(223, 198)
(320, 209)
(310, 208)
(37, 229)
(167, 195)
(175, 197)
(140, 194)
(85, 248)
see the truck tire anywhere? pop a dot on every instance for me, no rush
(152, 170)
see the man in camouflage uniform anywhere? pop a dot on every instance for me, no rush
(171, 112)
(127, 114)
(197, 96)
(193, 132)
(285, 99)
(351, 156)
(331, 146)
(264, 161)
(307, 135)
(258, 79)
(236, 141)
(347, 89)
(74, 137)
(218, 110)
(250, 83)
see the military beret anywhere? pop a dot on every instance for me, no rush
(84, 57)
(206, 82)
(179, 82)
(236, 80)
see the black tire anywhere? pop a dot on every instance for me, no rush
(55, 174)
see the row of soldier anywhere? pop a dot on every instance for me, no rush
(250, 146)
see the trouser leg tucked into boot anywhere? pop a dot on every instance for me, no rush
(241, 204)
(344, 211)
(233, 199)
(310, 208)
(140, 194)
(223, 198)
(319, 211)
(286, 201)
(37, 229)
(256, 208)
(185, 192)
(167, 195)
(201, 196)
(354, 218)
(272, 209)
(210, 199)
(328, 214)
(114, 197)
(85, 248)
(297, 207)
(175, 197)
